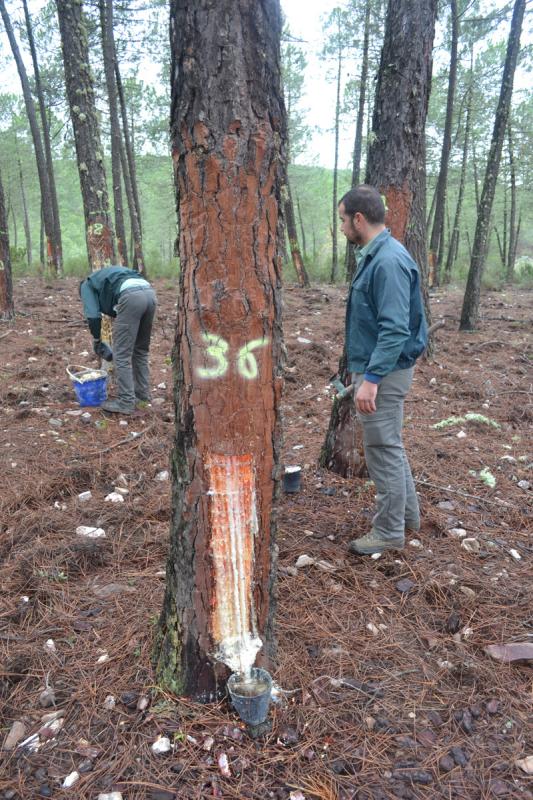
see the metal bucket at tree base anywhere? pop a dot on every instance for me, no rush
(89, 384)
(292, 479)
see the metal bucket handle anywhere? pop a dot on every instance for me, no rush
(74, 375)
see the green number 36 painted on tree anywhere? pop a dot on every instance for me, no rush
(217, 349)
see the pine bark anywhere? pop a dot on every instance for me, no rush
(454, 238)
(292, 233)
(470, 310)
(108, 49)
(335, 211)
(227, 129)
(57, 254)
(130, 178)
(26, 219)
(342, 450)
(7, 308)
(437, 233)
(358, 140)
(89, 153)
(302, 228)
(513, 235)
(37, 144)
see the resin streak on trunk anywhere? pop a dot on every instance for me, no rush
(233, 528)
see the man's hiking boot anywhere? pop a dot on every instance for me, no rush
(374, 543)
(116, 407)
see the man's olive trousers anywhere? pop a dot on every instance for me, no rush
(132, 329)
(386, 460)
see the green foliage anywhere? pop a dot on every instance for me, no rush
(143, 50)
(293, 64)
(17, 256)
(524, 270)
(313, 187)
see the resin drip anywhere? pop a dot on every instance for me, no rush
(233, 519)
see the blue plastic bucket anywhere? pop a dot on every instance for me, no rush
(89, 391)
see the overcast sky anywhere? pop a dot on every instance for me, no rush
(305, 19)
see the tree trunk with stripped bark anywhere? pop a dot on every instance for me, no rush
(228, 132)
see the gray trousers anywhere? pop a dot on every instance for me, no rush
(386, 460)
(132, 329)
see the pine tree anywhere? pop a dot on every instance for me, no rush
(227, 128)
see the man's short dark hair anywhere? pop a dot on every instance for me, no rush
(367, 201)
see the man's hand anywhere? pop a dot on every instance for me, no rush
(365, 399)
(103, 350)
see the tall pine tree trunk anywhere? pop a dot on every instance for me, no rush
(46, 200)
(358, 141)
(136, 238)
(513, 238)
(302, 228)
(57, 245)
(14, 221)
(454, 238)
(394, 167)
(89, 153)
(106, 22)
(436, 244)
(26, 219)
(227, 126)
(470, 310)
(7, 309)
(135, 206)
(476, 174)
(292, 233)
(335, 215)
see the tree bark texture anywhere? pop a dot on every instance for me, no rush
(37, 144)
(437, 231)
(342, 451)
(7, 309)
(397, 156)
(302, 228)
(454, 238)
(57, 245)
(335, 211)
(108, 50)
(26, 219)
(470, 310)
(89, 153)
(513, 238)
(228, 129)
(358, 140)
(292, 233)
(130, 177)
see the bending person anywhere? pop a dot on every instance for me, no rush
(123, 294)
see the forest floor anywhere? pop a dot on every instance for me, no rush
(390, 692)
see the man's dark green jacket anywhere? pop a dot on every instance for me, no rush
(385, 324)
(100, 293)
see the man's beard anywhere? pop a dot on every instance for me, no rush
(355, 237)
